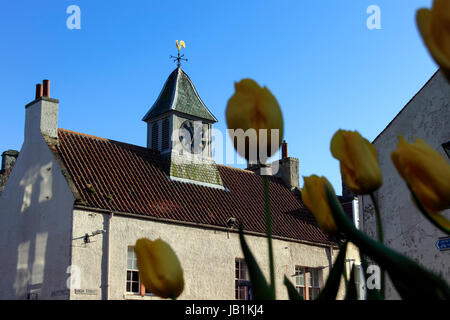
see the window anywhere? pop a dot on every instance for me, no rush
(446, 147)
(307, 282)
(300, 281)
(133, 283)
(313, 283)
(241, 281)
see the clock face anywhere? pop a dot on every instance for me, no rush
(192, 136)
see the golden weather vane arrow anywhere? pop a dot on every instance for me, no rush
(180, 44)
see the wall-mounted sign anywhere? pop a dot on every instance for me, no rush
(60, 293)
(443, 244)
(86, 291)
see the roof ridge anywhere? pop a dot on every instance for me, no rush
(223, 165)
(197, 94)
(83, 134)
(106, 139)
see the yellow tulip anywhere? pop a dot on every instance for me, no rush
(434, 26)
(315, 199)
(425, 171)
(358, 161)
(159, 268)
(254, 107)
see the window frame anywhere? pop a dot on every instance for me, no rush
(142, 289)
(314, 285)
(310, 282)
(241, 266)
(299, 270)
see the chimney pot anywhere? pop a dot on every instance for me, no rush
(38, 91)
(284, 150)
(46, 90)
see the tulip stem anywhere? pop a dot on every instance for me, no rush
(414, 281)
(269, 232)
(380, 236)
(378, 217)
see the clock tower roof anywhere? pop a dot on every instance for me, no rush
(179, 94)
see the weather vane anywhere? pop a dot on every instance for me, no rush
(179, 57)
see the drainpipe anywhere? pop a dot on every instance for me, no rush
(108, 252)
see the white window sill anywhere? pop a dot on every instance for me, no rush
(132, 296)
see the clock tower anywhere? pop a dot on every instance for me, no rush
(179, 126)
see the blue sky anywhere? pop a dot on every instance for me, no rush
(326, 68)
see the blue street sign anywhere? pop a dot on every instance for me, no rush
(443, 244)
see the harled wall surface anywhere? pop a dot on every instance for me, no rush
(35, 226)
(207, 256)
(426, 116)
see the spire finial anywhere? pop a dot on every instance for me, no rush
(179, 57)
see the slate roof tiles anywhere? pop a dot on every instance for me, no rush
(112, 175)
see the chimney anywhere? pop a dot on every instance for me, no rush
(46, 88)
(260, 169)
(41, 115)
(8, 159)
(286, 168)
(38, 91)
(284, 150)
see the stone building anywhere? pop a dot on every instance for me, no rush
(425, 116)
(75, 204)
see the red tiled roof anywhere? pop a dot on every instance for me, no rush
(121, 177)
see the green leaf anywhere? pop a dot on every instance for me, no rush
(260, 288)
(292, 292)
(331, 287)
(351, 289)
(269, 231)
(405, 272)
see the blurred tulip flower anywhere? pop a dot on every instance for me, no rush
(427, 174)
(315, 199)
(434, 27)
(253, 108)
(358, 161)
(159, 268)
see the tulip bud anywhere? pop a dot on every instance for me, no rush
(434, 27)
(315, 199)
(425, 171)
(159, 268)
(358, 161)
(251, 109)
